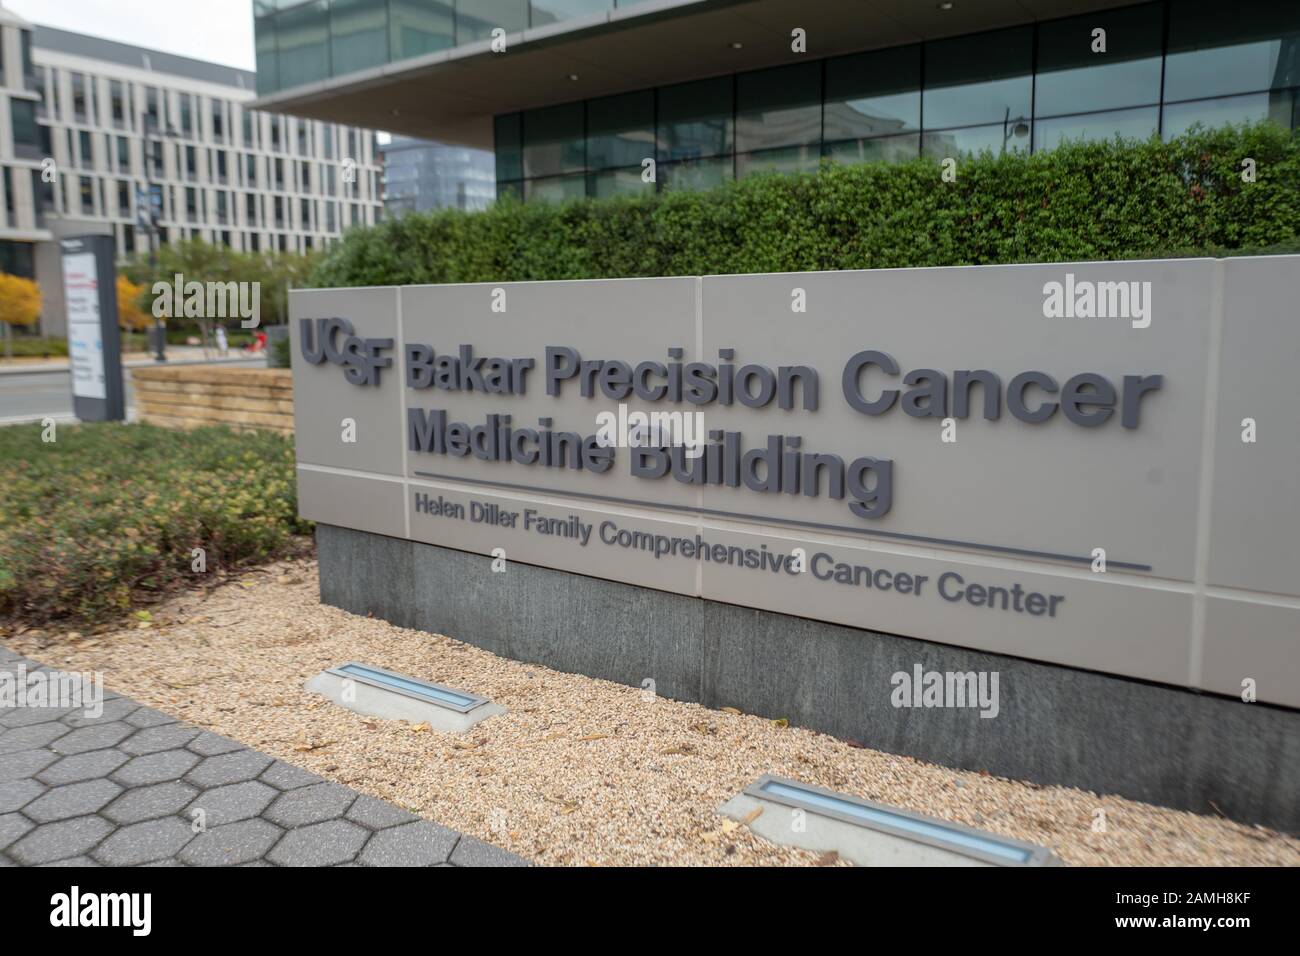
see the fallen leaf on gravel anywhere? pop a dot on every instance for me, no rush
(594, 737)
(420, 728)
(829, 858)
(781, 722)
(730, 710)
(308, 748)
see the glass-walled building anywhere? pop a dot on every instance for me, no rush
(586, 91)
(1025, 88)
(421, 176)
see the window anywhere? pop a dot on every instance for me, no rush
(79, 103)
(1073, 79)
(486, 15)
(27, 140)
(553, 140)
(123, 155)
(358, 35)
(267, 57)
(84, 147)
(621, 131)
(187, 115)
(87, 195)
(1211, 54)
(117, 103)
(780, 107)
(695, 119)
(979, 79)
(873, 94)
(217, 109)
(507, 135)
(420, 26)
(873, 106)
(302, 44)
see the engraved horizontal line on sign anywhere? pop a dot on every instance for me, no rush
(793, 522)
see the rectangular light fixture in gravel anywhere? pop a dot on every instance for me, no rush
(376, 692)
(870, 834)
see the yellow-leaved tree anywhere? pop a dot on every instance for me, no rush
(130, 316)
(20, 304)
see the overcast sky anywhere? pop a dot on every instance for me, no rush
(216, 30)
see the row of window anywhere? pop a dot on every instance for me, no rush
(1165, 66)
(129, 239)
(302, 42)
(147, 109)
(100, 151)
(90, 196)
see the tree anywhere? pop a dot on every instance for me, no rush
(130, 316)
(20, 304)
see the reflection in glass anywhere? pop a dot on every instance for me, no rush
(779, 107)
(695, 119)
(477, 19)
(358, 35)
(1140, 123)
(507, 135)
(555, 189)
(621, 129)
(553, 140)
(1251, 108)
(1011, 137)
(420, 26)
(792, 159)
(882, 149)
(873, 94)
(696, 173)
(978, 79)
(303, 35)
(268, 61)
(553, 11)
(1213, 50)
(1073, 79)
(618, 182)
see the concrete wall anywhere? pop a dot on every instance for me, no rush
(186, 396)
(1056, 725)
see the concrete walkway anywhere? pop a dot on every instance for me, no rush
(126, 789)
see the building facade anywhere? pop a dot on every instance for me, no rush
(420, 176)
(94, 123)
(22, 217)
(579, 94)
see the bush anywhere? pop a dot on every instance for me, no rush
(24, 346)
(1082, 201)
(108, 515)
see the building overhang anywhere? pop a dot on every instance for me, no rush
(453, 94)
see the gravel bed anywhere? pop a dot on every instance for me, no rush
(580, 771)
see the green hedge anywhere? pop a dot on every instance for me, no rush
(107, 516)
(1110, 200)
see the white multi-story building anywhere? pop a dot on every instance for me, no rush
(92, 121)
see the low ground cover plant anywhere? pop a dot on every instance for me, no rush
(110, 517)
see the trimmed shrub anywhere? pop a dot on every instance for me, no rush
(107, 516)
(1082, 201)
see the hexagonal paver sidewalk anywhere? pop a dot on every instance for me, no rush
(135, 787)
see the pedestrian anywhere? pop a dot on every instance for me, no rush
(223, 346)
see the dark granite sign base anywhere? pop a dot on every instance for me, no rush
(1054, 725)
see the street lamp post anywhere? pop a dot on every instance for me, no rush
(155, 239)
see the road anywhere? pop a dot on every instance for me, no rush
(28, 396)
